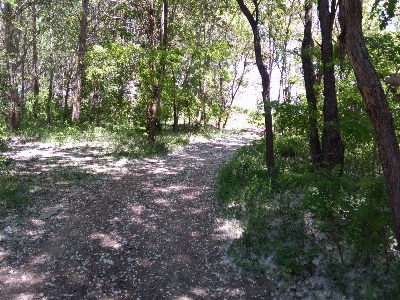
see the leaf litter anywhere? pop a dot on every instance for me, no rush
(106, 228)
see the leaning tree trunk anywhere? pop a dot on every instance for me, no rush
(76, 107)
(332, 144)
(309, 82)
(350, 17)
(265, 79)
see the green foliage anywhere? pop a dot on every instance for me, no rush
(384, 51)
(371, 221)
(386, 10)
(12, 188)
(292, 117)
(306, 214)
(272, 221)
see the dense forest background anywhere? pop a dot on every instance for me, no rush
(151, 67)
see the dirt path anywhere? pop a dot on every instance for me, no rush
(108, 229)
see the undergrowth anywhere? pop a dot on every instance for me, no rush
(310, 222)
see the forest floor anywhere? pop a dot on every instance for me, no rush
(105, 228)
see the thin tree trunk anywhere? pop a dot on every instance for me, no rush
(51, 80)
(265, 77)
(176, 116)
(176, 105)
(35, 64)
(152, 108)
(332, 144)
(309, 81)
(12, 51)
(65, 108)
(350, 17)
(49, 96)
(76, 107)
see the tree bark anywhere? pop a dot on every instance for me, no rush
(332, 144)
(351, 38)
(67, 88)
(11, 39)
(36, 88)
(265, 78)
(309, 82)
(76, 107)
(51, 80)
(152, 108)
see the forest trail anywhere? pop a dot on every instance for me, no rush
(123, 229)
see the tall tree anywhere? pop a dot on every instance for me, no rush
(309, 81)
(51, 81)
(352, 40)
(11, 40)
(76, 108)
(254, 20)
(35, 72)
(156, 98)
(332, 144)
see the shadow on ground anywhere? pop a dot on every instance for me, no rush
(102, 228)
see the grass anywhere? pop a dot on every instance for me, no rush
(307, 222)
(119, 141)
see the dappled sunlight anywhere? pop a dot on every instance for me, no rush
(52, 157)
(191, 196)
(19, 282)
(137, 209)
(147, 228)
(184, 298)
(229, 229)
(25, 296)
(111, 241)
(163, 202)
(37, 222)
(198, 291)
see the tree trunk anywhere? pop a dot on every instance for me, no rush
(351, 38)
(76, 107)
(11, 39)
(309, 81)
(332, 144)
(49, 96)
(35, 64)
(65, 108)
(176, 116)
(51, 80)
(67, 90)
(262, 69)
(152, 108)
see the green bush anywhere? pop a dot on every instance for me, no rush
(305, 213)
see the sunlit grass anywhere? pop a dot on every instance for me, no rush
(120, 141)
